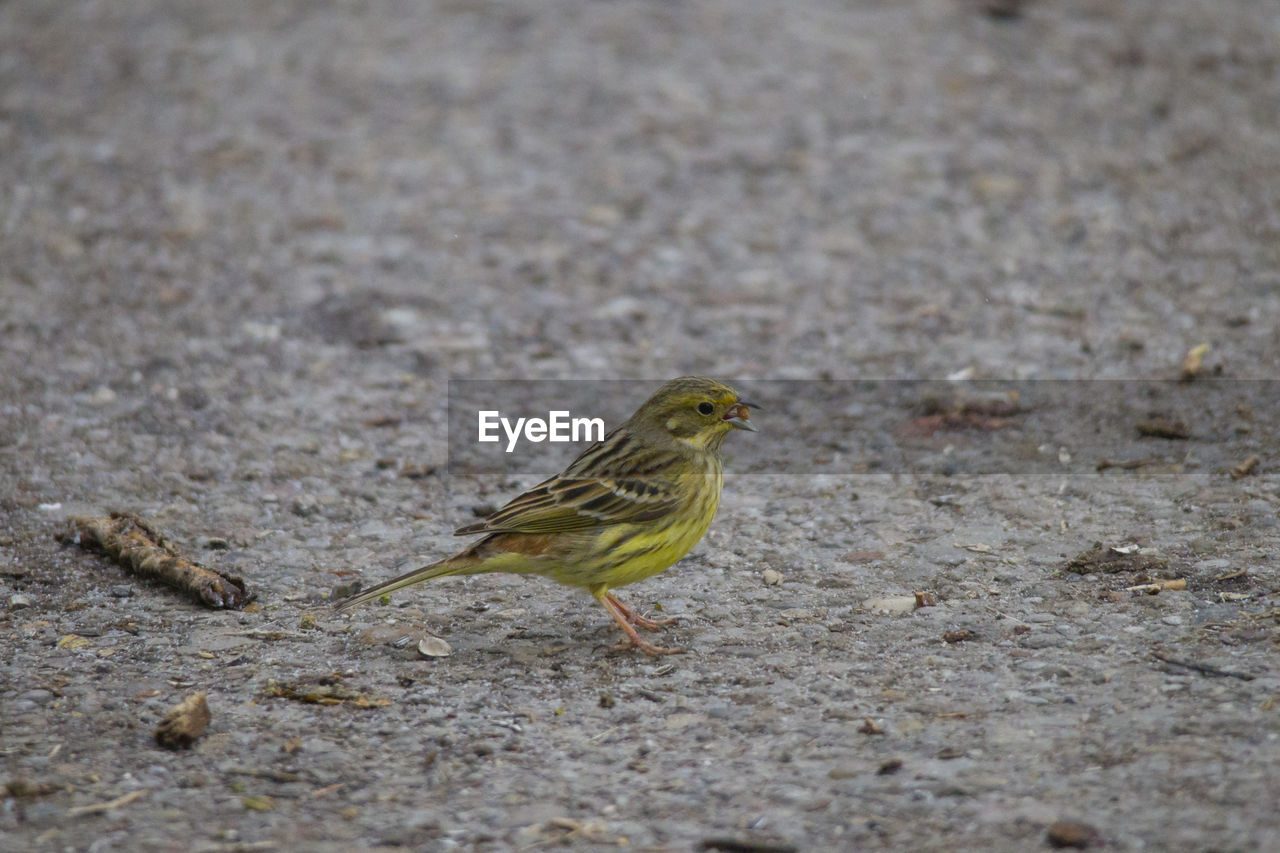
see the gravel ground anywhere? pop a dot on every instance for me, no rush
(246, 246)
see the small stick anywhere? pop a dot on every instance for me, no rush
(1204, 668)
(139, 547)
(100, 808)
(1246, 467)
(1158, 586)
(327, 789)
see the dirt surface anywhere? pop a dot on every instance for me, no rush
(245, 246)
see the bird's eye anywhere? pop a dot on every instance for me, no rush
(706, 408)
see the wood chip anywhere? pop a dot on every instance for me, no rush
(142, 549)
(185, 722)
(1159, 427)
(1246, 467)
(1158, 586)
(975, 547)
(891, 604)
(1194, 361)
(926, 599)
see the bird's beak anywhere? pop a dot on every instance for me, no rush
(737, 416)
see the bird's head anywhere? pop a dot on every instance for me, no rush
(694, 410)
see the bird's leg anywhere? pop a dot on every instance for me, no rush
(633, 616)
(616, 610)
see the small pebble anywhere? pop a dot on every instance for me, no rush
(434, 647)
(1069, 833)
(19, 601)
(103, 396)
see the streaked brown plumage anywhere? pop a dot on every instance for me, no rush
(627, 508)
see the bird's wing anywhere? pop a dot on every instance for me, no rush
(579, 503)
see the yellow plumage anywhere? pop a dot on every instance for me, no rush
(627, 508)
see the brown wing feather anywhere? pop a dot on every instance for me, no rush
(612, 482)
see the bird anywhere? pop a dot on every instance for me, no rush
(628, 507)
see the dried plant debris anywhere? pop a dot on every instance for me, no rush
(185, 722)
(1194, 362)
(323, 690)
(1246, 467)
(1158, 586)
(1109, 560)
(1162, 427)
(142, 549)
(111, 805)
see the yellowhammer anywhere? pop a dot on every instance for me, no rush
(627, 508)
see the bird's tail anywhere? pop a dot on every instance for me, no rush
(459, 564)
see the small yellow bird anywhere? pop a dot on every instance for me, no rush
(630, 506)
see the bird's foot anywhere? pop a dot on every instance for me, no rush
(633, 616)
(645, 646)
(627, 620)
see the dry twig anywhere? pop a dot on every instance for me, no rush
(142, 549)
(100, 808)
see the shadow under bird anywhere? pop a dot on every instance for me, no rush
(627, 508)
